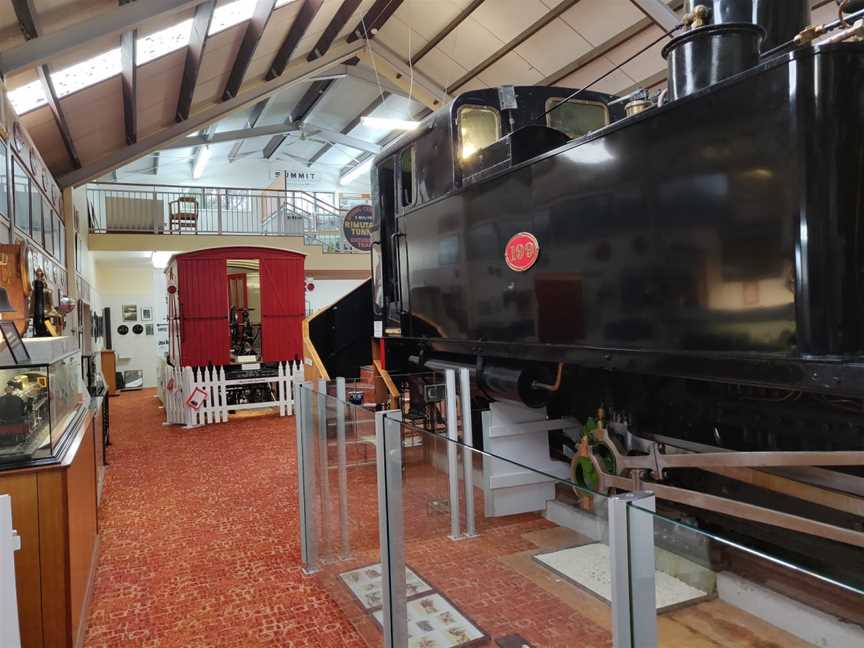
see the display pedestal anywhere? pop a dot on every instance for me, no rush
(520, 434)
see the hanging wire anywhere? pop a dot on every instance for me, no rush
(372, 59)
(603, 76)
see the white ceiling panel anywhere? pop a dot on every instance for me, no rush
(401, 38)
(553, 47)
(470, 44)
(508, 18)
(599, 20)
(280, 105)
(427, 18)
(345, 99)
(646, 64)
(440, 67)
(588, 73)
(510, 69)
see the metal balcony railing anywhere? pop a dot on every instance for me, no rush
(116, 208)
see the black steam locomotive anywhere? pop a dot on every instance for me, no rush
(695, 268)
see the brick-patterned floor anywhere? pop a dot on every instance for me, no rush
(199, 546)
(199, 538)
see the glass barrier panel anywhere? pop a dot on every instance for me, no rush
(713, 591)
(522, 560)
(341, 504)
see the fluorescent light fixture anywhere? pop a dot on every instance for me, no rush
(356, 172)
(160, 259)
(201, 161)
(389, 124)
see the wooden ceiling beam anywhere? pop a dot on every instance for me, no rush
(299, 72)
(25, 12)
(251, 37)
(59, 116)
(129, 81)
(194, 53)
(29, 22)
(37, 51)
(295, 34)
(341, 17)
(374, 19)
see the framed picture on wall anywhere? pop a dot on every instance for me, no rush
(146, 313)
(130, 313)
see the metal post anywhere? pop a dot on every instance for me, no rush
(452, 453)
(306, 483)
(631, 554)
(467, 454)
(342, 460)
(10, 542)
(391, 528)
(218, 211)
(323, 463)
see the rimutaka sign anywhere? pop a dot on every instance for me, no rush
(357, 227)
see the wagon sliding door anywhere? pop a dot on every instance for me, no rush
(282, 309)
(204, 311)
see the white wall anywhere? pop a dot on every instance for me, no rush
(137, 284)
(328, 291)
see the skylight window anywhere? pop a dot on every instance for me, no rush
(28, 97)
(230, 14)
(86, 73)
(81, 75)
(163, 42)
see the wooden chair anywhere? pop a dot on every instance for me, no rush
(183, 212)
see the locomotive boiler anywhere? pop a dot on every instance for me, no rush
(693, 271)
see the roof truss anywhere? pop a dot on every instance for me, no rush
(251, 37)
(295, 34)
(251, 93)
(43, 49)
(194, 53)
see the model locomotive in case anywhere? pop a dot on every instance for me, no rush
(39, 402)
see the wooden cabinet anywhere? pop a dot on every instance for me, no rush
(54, 511)
(109, 371)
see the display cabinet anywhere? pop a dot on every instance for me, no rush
(38, 401)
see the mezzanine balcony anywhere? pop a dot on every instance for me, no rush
(122, 208)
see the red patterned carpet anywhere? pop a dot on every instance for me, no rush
(199, 538)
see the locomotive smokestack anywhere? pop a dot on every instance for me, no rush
(727, 37)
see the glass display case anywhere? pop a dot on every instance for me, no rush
(37, 404)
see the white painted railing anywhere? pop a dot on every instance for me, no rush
(194, 396)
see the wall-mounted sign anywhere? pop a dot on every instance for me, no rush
(357, 227)
(300, 178)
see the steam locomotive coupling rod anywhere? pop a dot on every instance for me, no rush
(631, 471)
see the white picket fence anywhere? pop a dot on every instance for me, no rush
(178, 386)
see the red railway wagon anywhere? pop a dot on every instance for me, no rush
(203, 286)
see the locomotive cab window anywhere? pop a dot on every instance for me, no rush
(406, 176)
(479, 127)
(576, 118)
